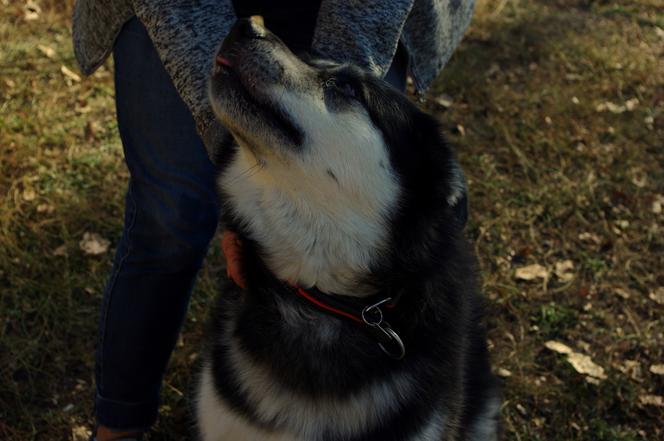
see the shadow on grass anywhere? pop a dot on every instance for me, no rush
(542, 169)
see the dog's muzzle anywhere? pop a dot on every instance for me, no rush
(244, 29)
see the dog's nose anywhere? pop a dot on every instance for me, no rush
(251, 27)
(244, 29)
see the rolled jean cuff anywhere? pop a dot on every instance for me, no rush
(124, 416)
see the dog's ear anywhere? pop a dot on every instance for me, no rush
(438, 156)
(218, 143)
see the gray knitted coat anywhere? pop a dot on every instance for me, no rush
(187, 33)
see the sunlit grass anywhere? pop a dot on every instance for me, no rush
(551, 179)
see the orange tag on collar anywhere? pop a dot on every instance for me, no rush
(231, 246)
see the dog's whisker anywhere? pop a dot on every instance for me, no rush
(249, 172)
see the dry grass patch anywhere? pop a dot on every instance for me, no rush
(558, 114)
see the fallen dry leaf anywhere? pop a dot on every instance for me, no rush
(531, 272)
(558, 347)
(29, 194)
(623, 224)
(504, 373)
(444, 101)
(93, 244)
(650, 122)
(652, 400)
(640, 179)
(657, 204)
(659, 31)
(657, 295)
(657, 369)
(590, 237)
(581, 363)
(80, 433)
(563, 270)
(31, 11)
(521, 409)
(49, 52)
(69, 73)
(45, 208)
(629, 105)
(611, 107)
(623, 293)
(631, 368)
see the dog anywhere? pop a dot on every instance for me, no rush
(361, 318)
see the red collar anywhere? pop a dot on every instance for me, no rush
(370, 313)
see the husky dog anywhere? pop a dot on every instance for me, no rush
(361, 318)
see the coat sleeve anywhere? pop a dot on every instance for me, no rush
(361, 32)
(186, 35)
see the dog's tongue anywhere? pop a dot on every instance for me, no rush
(222, 61)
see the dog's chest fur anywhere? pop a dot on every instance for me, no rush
(305, 418)
(316, 227)
(307, 385)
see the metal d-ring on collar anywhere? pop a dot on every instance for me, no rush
(372, 315)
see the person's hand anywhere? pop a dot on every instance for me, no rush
(231, 246)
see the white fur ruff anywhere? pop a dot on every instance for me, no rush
(320, 212)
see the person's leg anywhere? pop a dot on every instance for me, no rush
(171, 215)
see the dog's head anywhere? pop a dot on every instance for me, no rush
(336, 172)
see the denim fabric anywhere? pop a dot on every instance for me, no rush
(171, 214)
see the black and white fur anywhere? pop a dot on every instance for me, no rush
(337, 181)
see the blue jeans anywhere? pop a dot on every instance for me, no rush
(171, 214)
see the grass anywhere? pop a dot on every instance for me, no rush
(551, 179)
